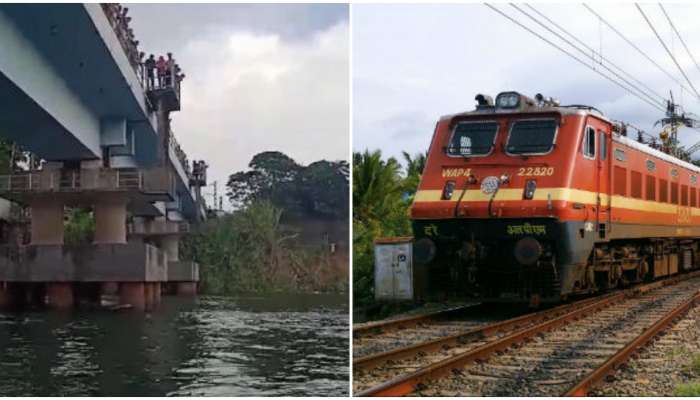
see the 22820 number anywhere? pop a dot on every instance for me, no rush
(535, 171)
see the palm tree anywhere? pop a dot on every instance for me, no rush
(376, 186)
(414, 169)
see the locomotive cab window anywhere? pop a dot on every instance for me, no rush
(603, 146)
(472, 139)
(531, 137)
(589, 143)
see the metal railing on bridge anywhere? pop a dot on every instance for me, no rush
(62, 180)
(157, 227)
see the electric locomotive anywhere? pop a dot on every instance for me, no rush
(525, 200)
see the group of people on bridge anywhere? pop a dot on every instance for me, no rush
(163, 70)
(119, 20)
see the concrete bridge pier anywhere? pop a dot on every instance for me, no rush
(182, 275)
(60, 295)
(10, 296)
(110, 220)
(47, 229)
(47, 221)
(133, 293)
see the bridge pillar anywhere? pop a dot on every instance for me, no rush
(110, 220)
(60, 295)
(149, 295)
(133, 293)
(47, 221)
(158, 292)
(171, 246)
(187, 288)
(7, 297)
(109, 288)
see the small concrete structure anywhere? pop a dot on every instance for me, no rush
(182, 276)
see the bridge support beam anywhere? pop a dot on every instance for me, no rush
(47, 221)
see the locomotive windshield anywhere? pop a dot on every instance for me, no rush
(531, 136)
(472, 139)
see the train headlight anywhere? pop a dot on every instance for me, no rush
(530, 187)
(448, 190)
(508, 100)
(528, 250)
(490, 184)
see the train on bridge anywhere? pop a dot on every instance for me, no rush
(526, 200)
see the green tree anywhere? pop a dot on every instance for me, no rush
(269, 172)
(323, 189)
(414, 170)
(319, 189)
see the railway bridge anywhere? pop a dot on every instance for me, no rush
(75, 96)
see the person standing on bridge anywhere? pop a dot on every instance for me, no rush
(170, 66)
(161, 66)
(150, 65)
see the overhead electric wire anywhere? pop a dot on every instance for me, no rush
(666, 48)
(634, 46)
(661, 102)
(592, 50)
(679, 36)
(573, 56)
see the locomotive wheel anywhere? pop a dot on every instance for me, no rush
(615, 276)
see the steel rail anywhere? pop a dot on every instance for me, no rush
(408, 383)
(399, 323)
(584, 386)
(476, 333)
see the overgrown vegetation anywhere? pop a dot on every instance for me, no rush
(691, 389)
(382, 194)
(79, 226)
(695, 364)
(251, 250)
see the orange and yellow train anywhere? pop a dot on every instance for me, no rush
(526, 200)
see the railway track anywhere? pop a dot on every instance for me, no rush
(544, 353)
(376, 337)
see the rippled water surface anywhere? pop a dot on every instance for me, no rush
(280, 345)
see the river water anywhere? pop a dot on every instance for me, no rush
(212, 346)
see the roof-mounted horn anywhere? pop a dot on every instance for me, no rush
(483, 102)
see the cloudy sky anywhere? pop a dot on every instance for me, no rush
(414, 63)
(259, 77)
